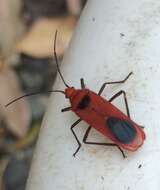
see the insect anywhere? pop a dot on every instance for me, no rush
(100, 114)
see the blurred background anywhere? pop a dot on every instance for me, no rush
(27, 64)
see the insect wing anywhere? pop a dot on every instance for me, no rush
(125, 133)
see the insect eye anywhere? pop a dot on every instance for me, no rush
(84, 102)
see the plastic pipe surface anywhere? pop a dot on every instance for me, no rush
(112, 39)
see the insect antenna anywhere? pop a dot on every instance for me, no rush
(32, 94)
(56, 59)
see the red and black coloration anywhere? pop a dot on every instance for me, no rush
(101, 114)
(105, 118)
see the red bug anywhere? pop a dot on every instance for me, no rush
(100, 114)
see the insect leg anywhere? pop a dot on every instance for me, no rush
(79, 144)
(82, 83)
(66, 109)
(103, 144)
(125, 100)
(115, 82)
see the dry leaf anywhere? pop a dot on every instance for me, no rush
(17, 116)
(74, 6)
(39, 40)
(3, 164)
(11, 27)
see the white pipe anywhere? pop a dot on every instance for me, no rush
(112, 38)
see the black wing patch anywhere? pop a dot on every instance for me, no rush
(84, 102)
(123, 130)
